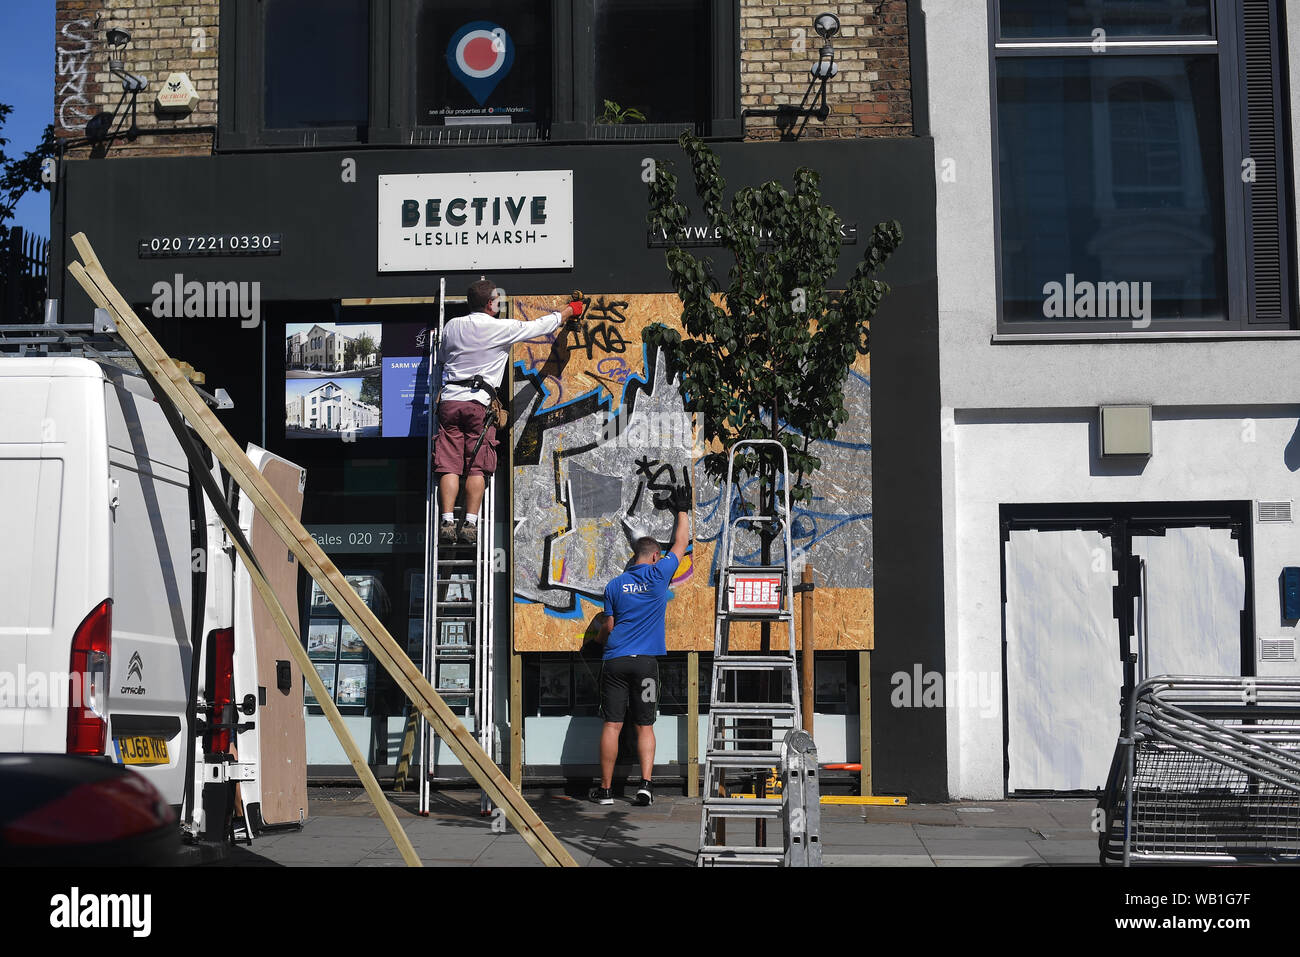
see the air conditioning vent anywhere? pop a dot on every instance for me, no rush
(1275, 511)
(1277, 649)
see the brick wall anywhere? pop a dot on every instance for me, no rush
(165, 37)
(871, 95)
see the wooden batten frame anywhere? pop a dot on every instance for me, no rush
(387, 652)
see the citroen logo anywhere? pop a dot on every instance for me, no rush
(135, 667)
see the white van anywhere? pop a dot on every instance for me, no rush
(113, 567)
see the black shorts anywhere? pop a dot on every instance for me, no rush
(630, 683)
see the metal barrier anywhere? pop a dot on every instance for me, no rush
(1206, 770)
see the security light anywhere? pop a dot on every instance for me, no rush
(826, 25)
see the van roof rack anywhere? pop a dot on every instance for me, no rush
(97, 341)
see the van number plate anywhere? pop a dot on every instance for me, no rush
(142, 750)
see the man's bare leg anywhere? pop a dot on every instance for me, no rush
(609, 751)
(474, 486)
(448, 489)
(645, 747)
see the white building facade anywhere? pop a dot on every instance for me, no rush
(330, 408)
(1113, 231)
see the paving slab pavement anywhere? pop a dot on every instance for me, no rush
(343, 830)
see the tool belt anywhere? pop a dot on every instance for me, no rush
(498, 414)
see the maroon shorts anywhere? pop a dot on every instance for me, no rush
(459, 426)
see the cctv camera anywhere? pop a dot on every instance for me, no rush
(827, 25)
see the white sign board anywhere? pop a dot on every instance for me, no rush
(177, 93)
(443, 222)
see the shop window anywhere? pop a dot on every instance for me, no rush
(631, 72)
(316, 64)
(1124, 202)
(486, 63)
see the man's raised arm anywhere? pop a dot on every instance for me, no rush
(681, 502)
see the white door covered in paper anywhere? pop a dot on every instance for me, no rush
(1193, 591)
(1063, 670)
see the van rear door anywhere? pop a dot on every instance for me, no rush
(54, 540)
(153, 570)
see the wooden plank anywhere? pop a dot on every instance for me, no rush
(282, 732)
(516, 718)
(809, 662)
(864, 720)
(408, 750)
(386, 651)
(692, 724)
(392, 301)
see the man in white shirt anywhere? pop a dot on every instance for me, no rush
(476, 349)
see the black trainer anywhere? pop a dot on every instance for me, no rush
(645, 794)
(601, 795)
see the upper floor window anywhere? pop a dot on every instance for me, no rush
(483, 62)
(332, 72)
(317, 60)
(1079, 19)
(1139, 166)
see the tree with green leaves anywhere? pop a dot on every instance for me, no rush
(20, 175)
(770, 360)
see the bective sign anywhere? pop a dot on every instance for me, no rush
(449, 221)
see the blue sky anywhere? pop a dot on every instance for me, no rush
(27, 84)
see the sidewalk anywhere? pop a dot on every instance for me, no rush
(344, 831)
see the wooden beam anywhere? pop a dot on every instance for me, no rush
(809, 663)
(864, 721)
(692, 724)
(516, 718)
(355, 611)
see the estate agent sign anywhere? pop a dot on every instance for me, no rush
(443, 222)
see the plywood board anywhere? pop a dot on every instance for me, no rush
(280, 721)
(599, 430)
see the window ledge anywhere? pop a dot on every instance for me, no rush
(1235, 335)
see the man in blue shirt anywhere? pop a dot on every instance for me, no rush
(633, 635)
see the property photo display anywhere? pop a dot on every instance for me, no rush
(355, 380)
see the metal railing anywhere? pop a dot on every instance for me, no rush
(1206, 770)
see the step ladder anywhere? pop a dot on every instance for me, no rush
(459, 599)
(753, 699)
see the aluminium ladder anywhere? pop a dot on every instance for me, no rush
(753, 698)
(459, 594)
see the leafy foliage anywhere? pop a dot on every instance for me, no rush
(21, 174)
(618, 114)
(772, 359)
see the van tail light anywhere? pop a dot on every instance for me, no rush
(88, 682)
(221, 688)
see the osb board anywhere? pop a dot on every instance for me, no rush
(280, 721)
(599, 431)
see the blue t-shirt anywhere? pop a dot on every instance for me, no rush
(637, 599)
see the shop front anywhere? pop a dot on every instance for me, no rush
(306, 284)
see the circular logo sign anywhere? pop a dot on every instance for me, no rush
(480, 55)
